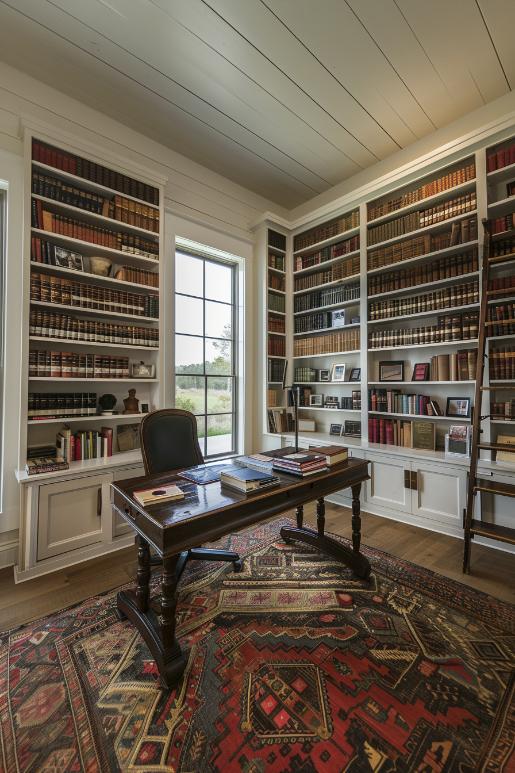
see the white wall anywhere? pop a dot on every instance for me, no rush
(201, 205)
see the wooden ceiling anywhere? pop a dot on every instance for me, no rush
(285, 97)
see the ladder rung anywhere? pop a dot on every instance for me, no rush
(497, 447)
(493, 487)
(493, 531)
(500, 322)
(505, 388)
(502, 258)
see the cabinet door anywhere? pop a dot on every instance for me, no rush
(386, 487)
(440, 493)
(120, 526)
(72, 514)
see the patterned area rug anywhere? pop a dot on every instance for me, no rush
(294, 666)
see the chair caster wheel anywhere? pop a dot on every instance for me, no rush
(237, 565)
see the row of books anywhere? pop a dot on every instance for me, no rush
(502, 247)
(448, 297)
(350, 402)
(86, 232)
(277, 240)
(326, 253)
(304, 373)
(47, 324)
(84, 444)
(340, 270)
(502, 285)
(443, 183)
(326, 230)
(45, 363)
(300, 463)
(498, 158)
(276, 261)
(329, 297)
(391, 432)
(280, 420)
(444, 210)
(338, 341)
(68, 292)
(61, 405)
(276, 324)
(133, 213)
(502, 363)
(443, 268)
(276, 302)
(460, 233)
(82, 167)
(275, 281)
(276, 346)
(395, 401)
(503, 410)
(501, 319)
(455, 327)
(276, 369)
(456, 366)
(504, 223)
(49, 254)
(273, 397)
(309, 322)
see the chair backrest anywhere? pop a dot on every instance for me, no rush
(169, 441)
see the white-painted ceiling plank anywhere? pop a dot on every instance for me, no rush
(499, 16)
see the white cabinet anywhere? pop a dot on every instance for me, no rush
(72, 514)
(386, 487)
(120, 526)
(439, 493)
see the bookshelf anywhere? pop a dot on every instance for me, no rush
(94, 268)
(276, 360)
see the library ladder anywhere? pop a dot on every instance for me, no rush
(476, 526)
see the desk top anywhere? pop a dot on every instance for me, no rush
(210, 511)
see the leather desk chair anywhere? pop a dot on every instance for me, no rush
(169, 442)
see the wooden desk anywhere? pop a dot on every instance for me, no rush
(208, 513)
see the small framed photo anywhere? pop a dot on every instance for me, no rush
(324, 375)
(338, 373)
(338, 318)
(457, 441)
(64, 258)
(458, 407)
(420, 371)
(336, 429)
(355, 374)
(140, 370)
(391, 370)
(317, 400)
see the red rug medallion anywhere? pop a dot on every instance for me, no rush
(293, 666)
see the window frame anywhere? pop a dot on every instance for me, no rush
(215, 257)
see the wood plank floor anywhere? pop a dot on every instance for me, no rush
(492, 571)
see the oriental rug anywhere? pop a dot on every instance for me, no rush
(294, 666)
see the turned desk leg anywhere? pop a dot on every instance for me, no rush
(143, 575)
(299, 513)
(168, 602)
(321, 516)
(356, 517)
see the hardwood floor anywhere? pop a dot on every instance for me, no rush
(492, 571)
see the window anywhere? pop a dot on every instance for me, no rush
(205, 351)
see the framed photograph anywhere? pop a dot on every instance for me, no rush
(64, 258)
(420, 371)
(336, 429)
(332, 402)
(140, 370)
(317, 400)
(457, 441)
(324, 375)
(338, 318)
(355, 374)
(423, 435)
(458, 407)
(352, 428)
(338, 373)
(391, 370)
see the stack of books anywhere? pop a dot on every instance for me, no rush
(44, 459)
(300, 463)
(333, 454)
(248, 480)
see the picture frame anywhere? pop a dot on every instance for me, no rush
(420, 371)
(391, 370)
(338, 372)
(338, 318)
(336, 429)
(64, 258)
(458, 407)
(457, 441)
(141, 370)
(324, 374)
(355, 374)
(316, 400)
(423, 435)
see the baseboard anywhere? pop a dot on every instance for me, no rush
(8, 552)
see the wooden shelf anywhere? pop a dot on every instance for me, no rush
(91, 217)
(328, 383)
(327, 329)
(321, 266)
(331, 410)
(74, 342)
(420, 314)
(426, 257)
(95, 312)
(327, 354)
(500, 299)
(493, 531)
(435, 227)
(87, 185)
(422, 203)
(89, 465)
(342, 305)
(69, 272)
(494, 487)
(89, 380)
(275, 249)
(89, 249)
(333, 283)
(500, 260)
(401, 347)
(326, 242)
(410, 416)
(274, 333)
(501, 207)
(277, 270)
(418, 383)
(417, 288)
(498, 175)
(129, 418)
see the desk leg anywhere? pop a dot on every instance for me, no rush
(143, 575)
(318, 539)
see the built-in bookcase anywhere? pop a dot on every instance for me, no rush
(277, 416)
(93, 256)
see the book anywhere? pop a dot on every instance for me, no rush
(423, 435)
(300, 463)
(506, 456)
(333, 454)
(204, 474)
(246, 480)
(151, 496)
(45, 464)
